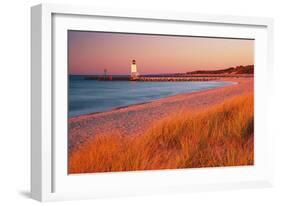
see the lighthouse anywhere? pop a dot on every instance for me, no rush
(134, 72)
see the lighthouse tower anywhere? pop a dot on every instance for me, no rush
(134, 72)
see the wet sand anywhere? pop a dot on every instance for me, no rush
(135, 119)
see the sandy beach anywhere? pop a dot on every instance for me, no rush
(135, 119)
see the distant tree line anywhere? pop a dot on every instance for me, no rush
(248, 69)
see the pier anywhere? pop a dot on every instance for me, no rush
(165, 78)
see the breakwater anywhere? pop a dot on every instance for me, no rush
(166, 78)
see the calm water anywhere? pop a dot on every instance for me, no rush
(88, 96)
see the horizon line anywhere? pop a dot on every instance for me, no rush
(171, 73)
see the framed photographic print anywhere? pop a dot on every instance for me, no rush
(136, 102)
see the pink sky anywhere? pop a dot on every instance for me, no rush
(92, 52)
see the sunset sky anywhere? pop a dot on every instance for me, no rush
(92, 52)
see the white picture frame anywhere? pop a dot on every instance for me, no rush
(49, 179)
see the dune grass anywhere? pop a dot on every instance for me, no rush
(221, 135)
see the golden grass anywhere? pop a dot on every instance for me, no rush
(221, 135)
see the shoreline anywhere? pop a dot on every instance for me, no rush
(151, 101)
(134, 119)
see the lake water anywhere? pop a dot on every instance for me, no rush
(89, 96)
